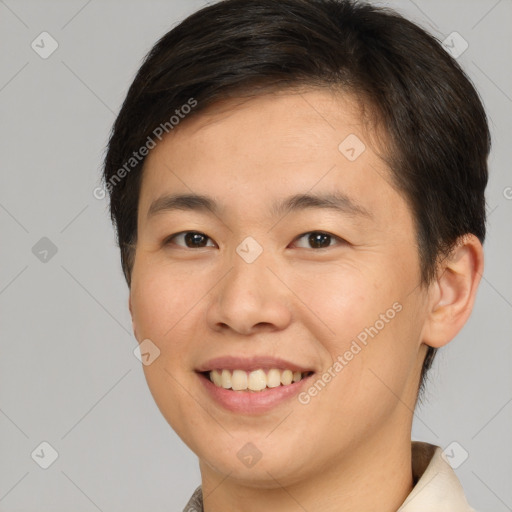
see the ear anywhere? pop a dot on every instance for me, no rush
(131, 314)
(452, 295)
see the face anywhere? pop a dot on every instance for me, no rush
(298, 260)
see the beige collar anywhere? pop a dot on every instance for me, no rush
(437, 486)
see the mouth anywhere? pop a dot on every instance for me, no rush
(252, 385)
(254, 381)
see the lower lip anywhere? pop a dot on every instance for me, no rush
(252, 402)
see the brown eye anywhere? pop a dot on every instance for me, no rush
(318, 240)
(190, 239)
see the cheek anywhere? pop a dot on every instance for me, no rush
(162, 308)
(362, 320)
(339, 301)
(162, 303)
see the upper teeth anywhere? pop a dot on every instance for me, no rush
(257, 380)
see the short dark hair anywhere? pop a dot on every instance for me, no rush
(434, 122)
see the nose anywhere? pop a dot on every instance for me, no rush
(249, 299)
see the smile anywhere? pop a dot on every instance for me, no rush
(257, 380)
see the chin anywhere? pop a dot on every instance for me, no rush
(268, 470)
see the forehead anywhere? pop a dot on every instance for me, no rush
(274, 122)
(255, 151)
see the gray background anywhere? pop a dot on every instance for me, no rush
(68, 375)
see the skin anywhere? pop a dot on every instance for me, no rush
(349, 447)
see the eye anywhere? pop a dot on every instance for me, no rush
(318, 240)
(189, 239)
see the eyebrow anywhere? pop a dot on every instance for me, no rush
(201, 203)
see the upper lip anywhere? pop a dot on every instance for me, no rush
(250, 364)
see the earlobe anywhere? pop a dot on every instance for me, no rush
(453, 293)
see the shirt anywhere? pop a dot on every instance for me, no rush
(436, 487)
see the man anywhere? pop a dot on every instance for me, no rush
(298, 192)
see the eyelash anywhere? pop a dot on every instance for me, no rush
(170, 239)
